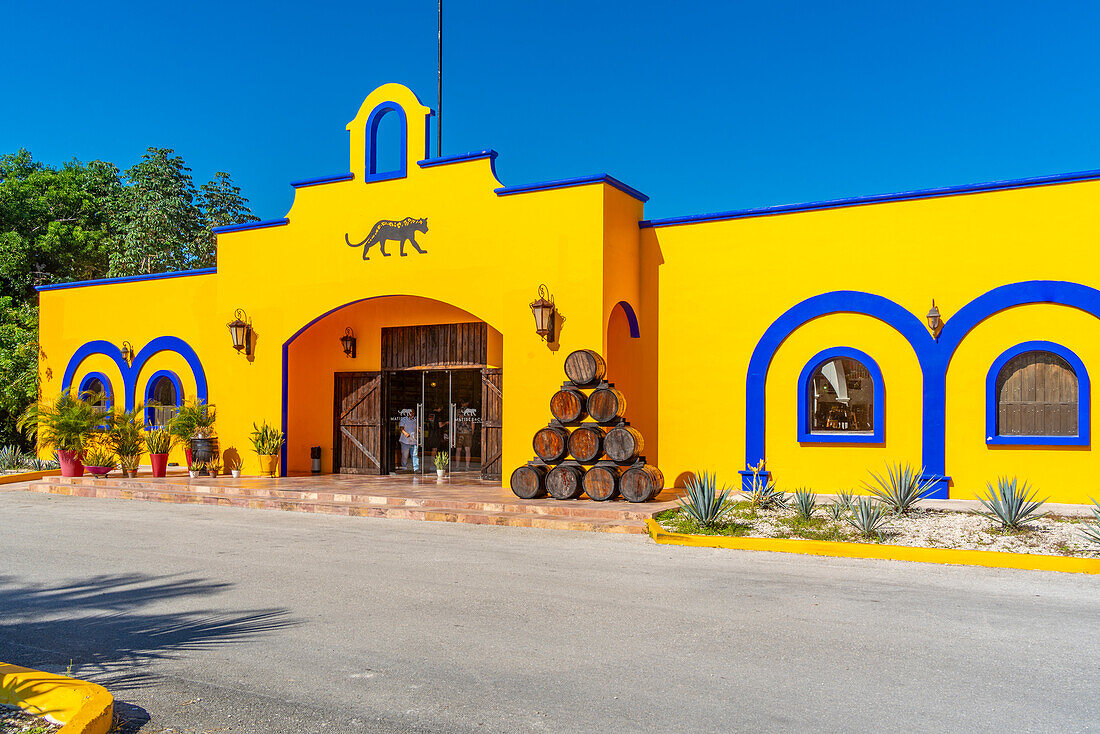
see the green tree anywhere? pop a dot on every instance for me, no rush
(18, 365)
(222, 204)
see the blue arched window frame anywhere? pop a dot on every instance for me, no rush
(878, 395)
(108, 391)
(1084, 407)
(150, 387)
(375, 119)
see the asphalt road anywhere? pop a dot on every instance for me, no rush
(205, 619)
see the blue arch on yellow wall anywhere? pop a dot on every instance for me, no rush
(131, 371)
(151, 384)
(934, 355)
(1084, 398)
(377, 114)
(108, 390)
(631, 319)
(878, 387)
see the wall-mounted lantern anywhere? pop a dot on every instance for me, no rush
(935, 323)
(127, 352)
(348, 342)
(240, 329)
(544, 309)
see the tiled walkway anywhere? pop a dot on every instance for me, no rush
(460, 498)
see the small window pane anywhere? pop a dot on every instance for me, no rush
(1037, 396)
(165, 401)
(96, 394)
(842, 398)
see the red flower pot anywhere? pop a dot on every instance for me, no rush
(71, 465)
(187, 455)
(160, 464)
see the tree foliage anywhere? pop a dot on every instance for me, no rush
(82, 221)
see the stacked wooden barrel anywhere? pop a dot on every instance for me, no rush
(588, 447)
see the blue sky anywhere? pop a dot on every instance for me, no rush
(703, 106)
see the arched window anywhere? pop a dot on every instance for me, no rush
(1037, 394)
(95, 387)
(841, 398)
(163, 395)
(387, 133)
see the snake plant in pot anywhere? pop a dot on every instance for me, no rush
(158, 441)
(66, 424)
(267, 441)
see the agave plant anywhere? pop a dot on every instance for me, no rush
(836, 510)
(868, 517)
(1091, 528)
(704, 502)
(11, 457)
(846, 499)
(1011, 504)
(805, 502)
(35, 464)
(900, 487)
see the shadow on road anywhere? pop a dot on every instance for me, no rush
(104, 627)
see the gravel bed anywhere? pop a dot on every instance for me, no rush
(17, 721)
(925, 528)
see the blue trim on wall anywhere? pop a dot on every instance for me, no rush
(125, 279)
(878, 417)
(461, 158)
(631, 319)
(108, 391)
(1083, 399)
(130, 372)
(322, 180)
(1019, 183)
(375, 119)
(250, 225)
(151, 383)
(569, 182)
(933, 355)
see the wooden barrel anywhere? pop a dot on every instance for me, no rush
(623, 443)
(568, 405)
(565, 482)
(529, 482)
(601, 483)
(585, 367)
(586, 443)
(641, 483)
(551, 443)
(606, 405)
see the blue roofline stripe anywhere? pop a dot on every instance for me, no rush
(322, 180)
(1019, 183)
(250, 225)
(569, 182)
(476, 155)
(125, 279)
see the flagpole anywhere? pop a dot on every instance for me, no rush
(439, 85)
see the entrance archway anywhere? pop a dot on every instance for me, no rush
(343, 404)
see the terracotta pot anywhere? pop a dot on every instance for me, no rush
(269, 465)
(160, 464)
(71, 464)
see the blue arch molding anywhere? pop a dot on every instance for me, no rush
(1083, 398)
(149, 391)
(130, 372)
(375, 119)
(934, 356)
(878, 393)
(631, 319)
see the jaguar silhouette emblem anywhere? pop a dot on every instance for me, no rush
(386, 229)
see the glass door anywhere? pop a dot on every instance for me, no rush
(435, 411)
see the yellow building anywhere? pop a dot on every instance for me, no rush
(796, 333)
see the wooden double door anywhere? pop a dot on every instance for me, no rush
(456, 413)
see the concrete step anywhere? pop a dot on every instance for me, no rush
(580, 509)
(172, 494)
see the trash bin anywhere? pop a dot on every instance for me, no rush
(315, 459)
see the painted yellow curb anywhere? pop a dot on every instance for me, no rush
(992, 559)
(28, 476)
(80, 707)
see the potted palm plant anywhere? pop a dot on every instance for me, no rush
(267, 441)
(158, 441)
(126, 440)
(66, 424)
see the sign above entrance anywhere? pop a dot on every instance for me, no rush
(387, 229)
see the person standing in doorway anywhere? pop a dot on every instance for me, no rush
(408, 441)
(464, 432)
